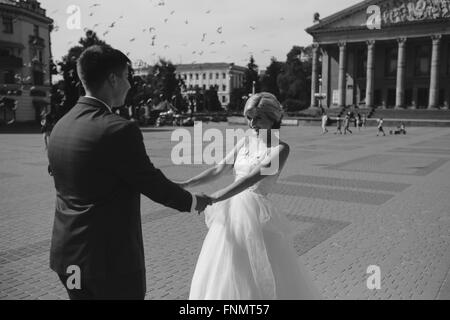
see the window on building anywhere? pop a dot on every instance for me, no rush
(361, 63)
(423, 60)
(38, 78)
(210, 76)
(377, 97)
(224, 99)
(224, 88)
(391, 62)
(8, 77)
(204, 76)
(36, 30)
(5, 52)
(8, 25)
(196, 76)
(185, 76)
(40, 56)
(217, 75)
(408, 97)
(204, 87)
(190, 76)
(224, 75)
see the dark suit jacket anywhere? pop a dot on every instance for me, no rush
(100, 168)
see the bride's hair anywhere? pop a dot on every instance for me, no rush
(268, 104)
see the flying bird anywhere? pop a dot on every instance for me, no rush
(112, 25)
(222, 42)
(186, 22)
(204, 36)
(132, 39)
(105, 33)
(211, 43)
(166, 46)
(252, 27)
(208, 11)
(172, 12)
(91, 14)
(219, 30)
(165, 20)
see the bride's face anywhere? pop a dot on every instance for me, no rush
(258, 120)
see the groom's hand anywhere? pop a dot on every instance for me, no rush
(202, 202)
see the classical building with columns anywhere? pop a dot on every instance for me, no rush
(388, 54)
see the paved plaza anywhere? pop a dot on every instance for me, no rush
(354, 200)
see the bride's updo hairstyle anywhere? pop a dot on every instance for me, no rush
(267, 104)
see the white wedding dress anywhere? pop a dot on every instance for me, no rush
(247, 253)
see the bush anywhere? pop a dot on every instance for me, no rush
(290, 105)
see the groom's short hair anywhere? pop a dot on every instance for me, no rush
(97, 62)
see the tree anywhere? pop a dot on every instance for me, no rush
(212, 102)
(251, 76)
(269, 81)
(238, 97)
(163, 80)
(294, 82)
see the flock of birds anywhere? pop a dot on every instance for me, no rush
(150, 33)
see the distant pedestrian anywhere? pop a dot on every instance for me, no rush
(46, 128)
(338, 125)
(347, 124)
(380, 127)
(358, 121)
(364, 120)
(324, 123)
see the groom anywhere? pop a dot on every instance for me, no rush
(100, 168)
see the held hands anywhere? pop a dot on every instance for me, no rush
(203, 201)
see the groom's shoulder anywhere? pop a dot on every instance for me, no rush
(115, 124)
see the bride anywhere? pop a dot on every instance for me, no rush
(247, 253)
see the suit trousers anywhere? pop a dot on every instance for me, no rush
(121, 287)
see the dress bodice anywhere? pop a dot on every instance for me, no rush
(248, 157)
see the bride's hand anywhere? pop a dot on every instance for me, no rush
(214, 198)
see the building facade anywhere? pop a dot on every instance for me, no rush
(224, 76)
(388, 54)
(25, 55)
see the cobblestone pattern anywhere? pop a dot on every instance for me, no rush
(348, 183)
(338, 235)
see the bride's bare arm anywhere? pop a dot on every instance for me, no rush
(257, 174)
(215, 172)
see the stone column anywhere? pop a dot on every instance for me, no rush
(370, 74)
(342, 76)
(401, 72)
(434, 75)
(314, 74)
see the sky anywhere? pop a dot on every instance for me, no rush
(191, 31)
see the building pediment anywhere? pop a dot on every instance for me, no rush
(378, 14)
